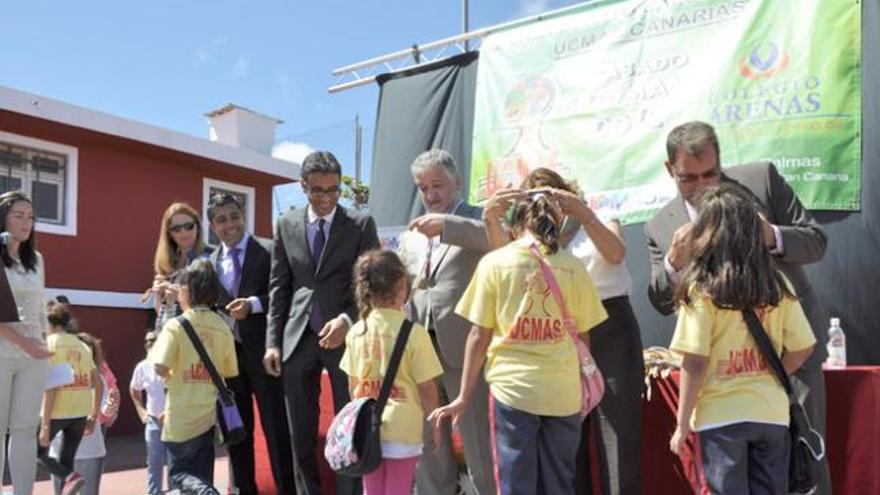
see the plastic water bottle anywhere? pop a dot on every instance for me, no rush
(836, 346)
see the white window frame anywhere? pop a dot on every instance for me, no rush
(248, 191)
(70, 185)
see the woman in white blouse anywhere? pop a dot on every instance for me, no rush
(23, 364)
(616, 343)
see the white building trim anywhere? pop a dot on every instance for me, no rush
(98, 298)
(66, 113)
(70, 180)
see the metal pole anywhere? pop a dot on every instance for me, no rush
(464, 21)
(357, 148)
(479, 33)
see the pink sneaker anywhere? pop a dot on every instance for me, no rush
(72, 484)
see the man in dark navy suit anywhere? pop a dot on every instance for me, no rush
(243, 264)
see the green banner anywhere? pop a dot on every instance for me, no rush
(594, 93)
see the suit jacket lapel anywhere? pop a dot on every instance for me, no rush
(225, 296)
(437, 258)
(300, 234)
(336, 232)
(463, 210)
(250, 255)
(677, 214)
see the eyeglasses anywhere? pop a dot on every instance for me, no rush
(317, 191)
(691, 178)
(187, 226)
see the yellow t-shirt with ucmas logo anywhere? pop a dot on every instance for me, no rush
(368, 348)
(739, 385)
(190, 403)
(73, 400)
(531, 362)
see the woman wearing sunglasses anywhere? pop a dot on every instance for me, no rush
(180, 242)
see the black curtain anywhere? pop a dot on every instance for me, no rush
(421, 110)
(850, 273)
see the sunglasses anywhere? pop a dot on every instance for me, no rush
(187, 226)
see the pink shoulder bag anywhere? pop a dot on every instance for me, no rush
(592, 382)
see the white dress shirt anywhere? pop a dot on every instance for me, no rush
(312, 226)
(611, 280)
(312, 231)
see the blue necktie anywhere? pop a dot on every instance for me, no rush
(315, 318)
(236, 271)
(236, 283)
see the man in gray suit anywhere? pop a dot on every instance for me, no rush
(442, 260)
(311, 306)
(791, 233)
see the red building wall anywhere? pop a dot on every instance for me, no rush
(123, 188)
(121, 331)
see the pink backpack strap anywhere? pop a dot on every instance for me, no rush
(553, 284)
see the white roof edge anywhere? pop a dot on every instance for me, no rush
(230, 106)
(74, 115)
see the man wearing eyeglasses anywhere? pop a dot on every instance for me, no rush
(791, 233)
(311, 307)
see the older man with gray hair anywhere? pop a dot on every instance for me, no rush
(441, 250)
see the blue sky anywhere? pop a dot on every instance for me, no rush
(168, 63)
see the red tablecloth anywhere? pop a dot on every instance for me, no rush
(265, 483)
(852, 437)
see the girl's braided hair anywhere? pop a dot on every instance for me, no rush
(376, 275)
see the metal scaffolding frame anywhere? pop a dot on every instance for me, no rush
(365, 72)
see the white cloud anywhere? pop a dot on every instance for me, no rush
(289, 93)
(533, 7)
(199, 57)
(208, 51)
(291, 151)
(240, 68)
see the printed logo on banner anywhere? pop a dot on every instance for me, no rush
(526, 106)
(763, 62)
(586, 95)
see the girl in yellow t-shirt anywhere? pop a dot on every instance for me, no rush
(531, 363)
(381, 290)
(72, 409)
(728, 393)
